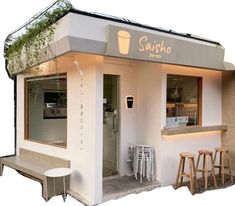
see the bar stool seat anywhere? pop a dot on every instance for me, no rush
(221, 149)
(207, 154)
(204, 151)
(223, 153)
(187, 154)
(192, 171)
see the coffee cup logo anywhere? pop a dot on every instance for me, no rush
(124, 38)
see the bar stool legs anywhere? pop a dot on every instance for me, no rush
(193, 176)
(206, 155)
(192, 171)
(207, 168)
(223, 153)
(180, 171)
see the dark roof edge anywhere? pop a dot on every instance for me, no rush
(129, 22)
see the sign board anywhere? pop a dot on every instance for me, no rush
(161, 47)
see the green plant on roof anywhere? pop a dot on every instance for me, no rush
(32, 44)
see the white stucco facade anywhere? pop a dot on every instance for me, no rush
(142, 124)
(87, 180)
(171, 146)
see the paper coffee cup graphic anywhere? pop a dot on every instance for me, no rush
(129, 102)
(124, 38)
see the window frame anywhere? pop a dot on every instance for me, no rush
(199, 99)
(26, 107)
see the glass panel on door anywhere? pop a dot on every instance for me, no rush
(110, 125)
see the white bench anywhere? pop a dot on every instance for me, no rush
(34, 165)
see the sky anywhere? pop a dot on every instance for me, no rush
(212, 19)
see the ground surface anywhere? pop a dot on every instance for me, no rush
(18, 190)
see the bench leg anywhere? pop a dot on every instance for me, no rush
(44, 190)
(1, 168)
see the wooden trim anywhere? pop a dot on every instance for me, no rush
(193, 129)
(26, 108)
(46, 76)
(1, 167)
(199, 95)
(199, 102)
(45, 143)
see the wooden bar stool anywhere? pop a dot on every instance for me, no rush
(207, 156)
(192, 171)
(223, 153)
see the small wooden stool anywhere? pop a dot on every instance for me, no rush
(192, 171)
(223, 152)
(207, 154)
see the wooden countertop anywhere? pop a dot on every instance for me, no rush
(193, 129)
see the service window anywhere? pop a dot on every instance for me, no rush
(46, 110)
(183, 101)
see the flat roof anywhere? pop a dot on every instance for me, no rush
(134, 23)
(111, 18)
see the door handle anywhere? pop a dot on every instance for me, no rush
(115, 122)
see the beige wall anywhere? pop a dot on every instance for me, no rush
(228, 111)
(171, 146)
(127, 130)
(142, 124)
(149, 108)
(86, 179)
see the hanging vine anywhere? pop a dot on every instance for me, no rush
(33, 46)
